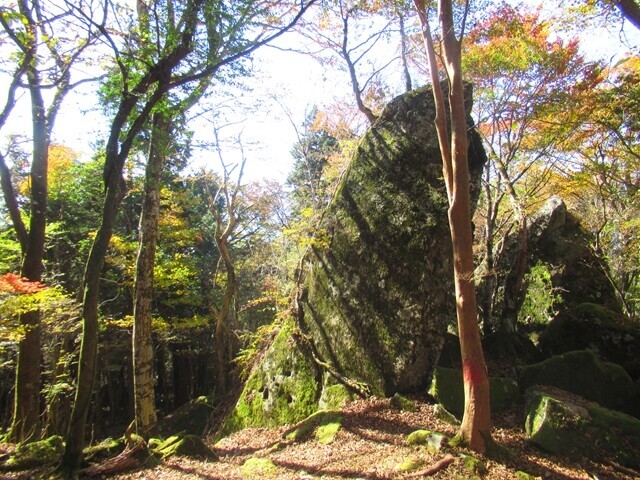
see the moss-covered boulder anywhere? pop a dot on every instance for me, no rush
(42, 452)
(376, 286)
(557, 238)
(581, 373)
(567, 425)
(377, 289)
(609, 335)
(448, 389)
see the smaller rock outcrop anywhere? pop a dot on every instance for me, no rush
(557, 238)
(609, 335)
(581, 373)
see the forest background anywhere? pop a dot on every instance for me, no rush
(557, 111)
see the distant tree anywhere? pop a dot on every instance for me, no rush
(451, 126)
(311, 155)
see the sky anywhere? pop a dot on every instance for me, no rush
(262, 123)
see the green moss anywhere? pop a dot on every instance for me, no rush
(42, 452)
(400, 402)
(184, 445)
(258, 467)
(334, 397)
(106, 449)
(541, 301)
(580, 372)
(409, 464)
(520, 475)
(474, 465)
(318, 419)
(443, 414)
(284, 389)
(560, 426)
(325, 434)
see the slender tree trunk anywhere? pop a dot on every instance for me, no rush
(144, 395)
(404, 52)
(26, 416)
(514, 281)
(223, 319)
(475, 430)
(89, 347)
(488, 269)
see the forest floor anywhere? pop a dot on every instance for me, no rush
(371, 445)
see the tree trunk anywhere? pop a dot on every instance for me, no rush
(72, 456)
(475, 430)
(144, 395)
(26, 417)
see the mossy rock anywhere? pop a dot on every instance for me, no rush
(283, 388)
(445, 415)
(258, 467)
(34, 454)
(409, 464)
(474, 465)
(581, 373)
(514, 347)
(377, 283)
(315, 421)
(448, 389)
(400, 402)
(107, 448)
(567, 425)
(434, 441)
(334, 397)
(609, 335)
(186, 446)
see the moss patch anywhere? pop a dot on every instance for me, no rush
(434, 441)
(409, 464)
(42, 452)
(321, 418)
(258, 467)
(184, 445)
(334, 396)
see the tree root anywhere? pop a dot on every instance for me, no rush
(130, 459)
(434, 468)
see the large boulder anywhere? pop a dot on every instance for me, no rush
(609, 335)
(581, 373)
(377, 293)
(376, 286)
(448, 390)
(568, 425)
